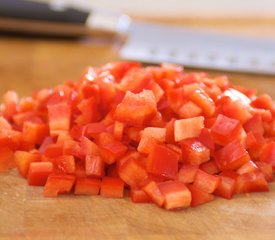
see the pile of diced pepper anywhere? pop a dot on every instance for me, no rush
(172, 138)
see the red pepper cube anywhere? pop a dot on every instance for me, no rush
(162, 161)
(38, 173)
(232, 156)
(87, 186)
(146, 144)
(188, 128)
(206, 139)
(58, 183)
(132, 172)
(176, 194)
(10, 138)
(53, 150)
(71, 147)
(112, 187)
(187, 173)
(46, 142)
(88, 109)
(23, 160)
(154, 132)
(88, 147)
(34, 132)
(254, 124)
(194, 152)
(199, 196)
(225, 129)
(266, 169)
(250, 166)
(153, 191)
(136, 109)
(6, 159)
(93, 129)
(210, 167)
(59, 116)
(189, 109)
(205, 181)
(139, 196)
(268, 154)
(65, 163)
(112, 151)
(135, 80)
(251, 182)
(94, 166)
(226, 187)
(202, 99)
(4, 124)
(118, 130)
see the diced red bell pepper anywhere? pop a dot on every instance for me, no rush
(254, 124)
(153, 191)
(154, 132)
(146, 144)
(139, 196)
(232, 156)
(268, 154)
(88, 147)
(118, 130)
(59, 118)
(143, 104)
(4, 124)
(34, 132)
(189, 110)
(112, 151)
(194, 152)
(202, 99)
(226, 187)
(10, 138)
(205, 181)
(199, 196)
(265, 102)
(65, 163)
(94, 166)
(38, 173)
(89, 112)
(210, 167)
(58, 183)
(47, 141)
(187, 173)
(176, 194)
(135, 80)
(251, 182)
(162, 161)
(87, 186)
(206, 139)
(112, 187)
(93, 129)
(188, 128)
(6, 159)
(10, 104)
(225, 129)
(266, 169)
(132, 172)
(250, 166)
(23, 160)
(53, 150)
(71, 147)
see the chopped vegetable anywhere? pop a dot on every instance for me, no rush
(173, 139)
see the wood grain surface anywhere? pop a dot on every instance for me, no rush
(27, 64)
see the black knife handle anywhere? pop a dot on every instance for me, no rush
(27, 10)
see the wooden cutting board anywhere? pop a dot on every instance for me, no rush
(29, 64)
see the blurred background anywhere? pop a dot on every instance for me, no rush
(30, 63)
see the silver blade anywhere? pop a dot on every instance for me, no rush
(200, 49)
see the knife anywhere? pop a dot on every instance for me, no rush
(150, 43)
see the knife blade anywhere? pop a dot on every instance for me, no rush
(151, 43)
